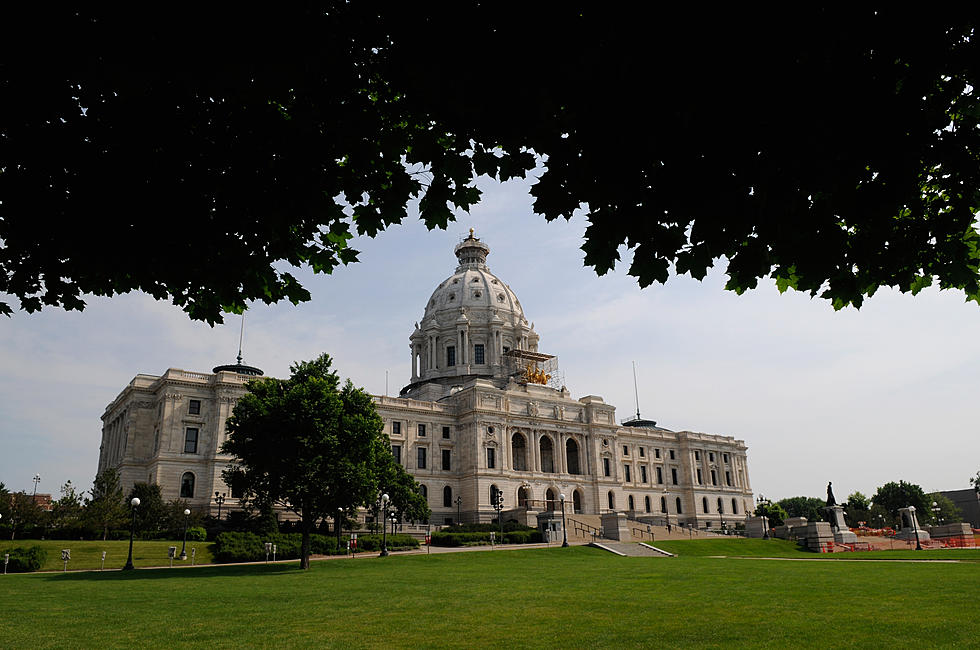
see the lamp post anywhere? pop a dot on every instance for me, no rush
(564, 532)
(915, 529)
(765, 503)
(459, 502)
(132, 531)
(935, 512)
(183, 547)
(219, 498)
(340, 514)
(36, 479)
(384, 529)
(498, 506)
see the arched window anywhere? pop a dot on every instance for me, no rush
(424, 490)
(518, 452)
(704, 505)
(577, 501)
(721, 506)
(663, 504)
(646, 503)
(571, 457)
(612, 500)
(522, 497)
(187, 486)
(630, 501)
(547, 455)
(734, 507)
(678, 504)
(447, 497)
(550, 499)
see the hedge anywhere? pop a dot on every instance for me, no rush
(442, 538)
(249, 547)
(24, 560)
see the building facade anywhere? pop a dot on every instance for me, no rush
(485, 411)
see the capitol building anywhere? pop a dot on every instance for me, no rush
(484, 410)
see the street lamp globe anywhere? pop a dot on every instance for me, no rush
(186, 512)
(135, 502)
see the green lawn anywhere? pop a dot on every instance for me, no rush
(739, 547)
(571, 598)
(88, 554)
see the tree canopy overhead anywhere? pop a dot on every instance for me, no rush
(835, 152)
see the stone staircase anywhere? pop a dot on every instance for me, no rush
(587, 528)
(631, 549)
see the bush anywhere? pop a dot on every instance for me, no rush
(196, 534)
(249, 547)
(24, 560)
(395, 542)
(452, 539)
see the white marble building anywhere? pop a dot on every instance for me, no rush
(484, 411)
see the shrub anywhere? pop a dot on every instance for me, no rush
(526, 536)
(196, 534)
(24, 560)
(249, 547)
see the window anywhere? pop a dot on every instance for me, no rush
(643, 473)
(478, 354)
(734, 507)
(190, 440)
(612, 500)
(699, 476)
(446, 459)
(420, 458)
(663, 504)
(646, 504)
(724, 457)
(396, 451)
(697, 455)
(421, 431)
(445, 433)
(626, 471)
(656, 453)
(605, 467)
(677, 503)
(728, 478)
(626, 450)
(447, 497)
(721, 506)
(631, 504)
(491, 457)
(518, 452)
(194, 407)
(711, 456)
(714, 477)
(660, 475)
(451, 355)
(643, 452)
(424, 490)
(187, 486)
(673, 475)
(396, 428)
(704, 505)
(672, 454)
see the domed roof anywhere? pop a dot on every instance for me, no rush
(473, 289)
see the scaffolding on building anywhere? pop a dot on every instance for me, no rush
(526, 367)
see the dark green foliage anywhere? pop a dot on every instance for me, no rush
(396, 542)
(25, 559)
(847, 160)
(105, 509)
(485, 528)
(892, 496)
(441, 538)
(152, 513)
(772, 511)
(196, 534)
(249, 547)
(809, 507)
(858, 509)
(948, 513)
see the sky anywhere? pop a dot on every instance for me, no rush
(857, 397)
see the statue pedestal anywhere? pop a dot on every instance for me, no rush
(842, 533)
(910, 526)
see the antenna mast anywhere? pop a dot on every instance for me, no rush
(636, 392)
(241, 337)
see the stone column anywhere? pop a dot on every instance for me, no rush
(415, 374)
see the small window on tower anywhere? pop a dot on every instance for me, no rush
(451, 355)
(478, 354)
(194, 407)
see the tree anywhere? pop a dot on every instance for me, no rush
(307, 444)
(24, 513)
(151, 513)
(847, 159)
(405, 492)
(857, 509)
(948, 512)
(772, 511)
(67, 511)
(892, 496)
(975, 481)
(105, 509)
(809, 507)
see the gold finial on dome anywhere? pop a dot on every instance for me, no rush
(471, 233)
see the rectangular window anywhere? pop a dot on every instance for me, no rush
(396, 428)
(445, 433)
(190, 440)
(643, 474)
(605, 467)
(626, 471)
(711, 456)
(421, 431)
(660, 475)
(491, 458)
(451, 355)
(643, 452)
(673, 475)
(697, 455)
(420, 457)
(626, 450)
(672, 454)
(194, 407)
(728, 478)
(446, 455)
(714, 478)
(699, 477)
(656, 453)
(725, 457)
(478, 354)
(396, 451)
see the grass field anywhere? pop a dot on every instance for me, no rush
(576, 597)
(88, 555)
(738, 547)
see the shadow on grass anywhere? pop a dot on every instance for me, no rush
(191, 573)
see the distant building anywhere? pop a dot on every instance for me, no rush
(484, 411)
(968, 501)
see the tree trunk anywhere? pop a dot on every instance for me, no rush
(304, 554)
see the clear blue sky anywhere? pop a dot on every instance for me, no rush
(854, 397)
